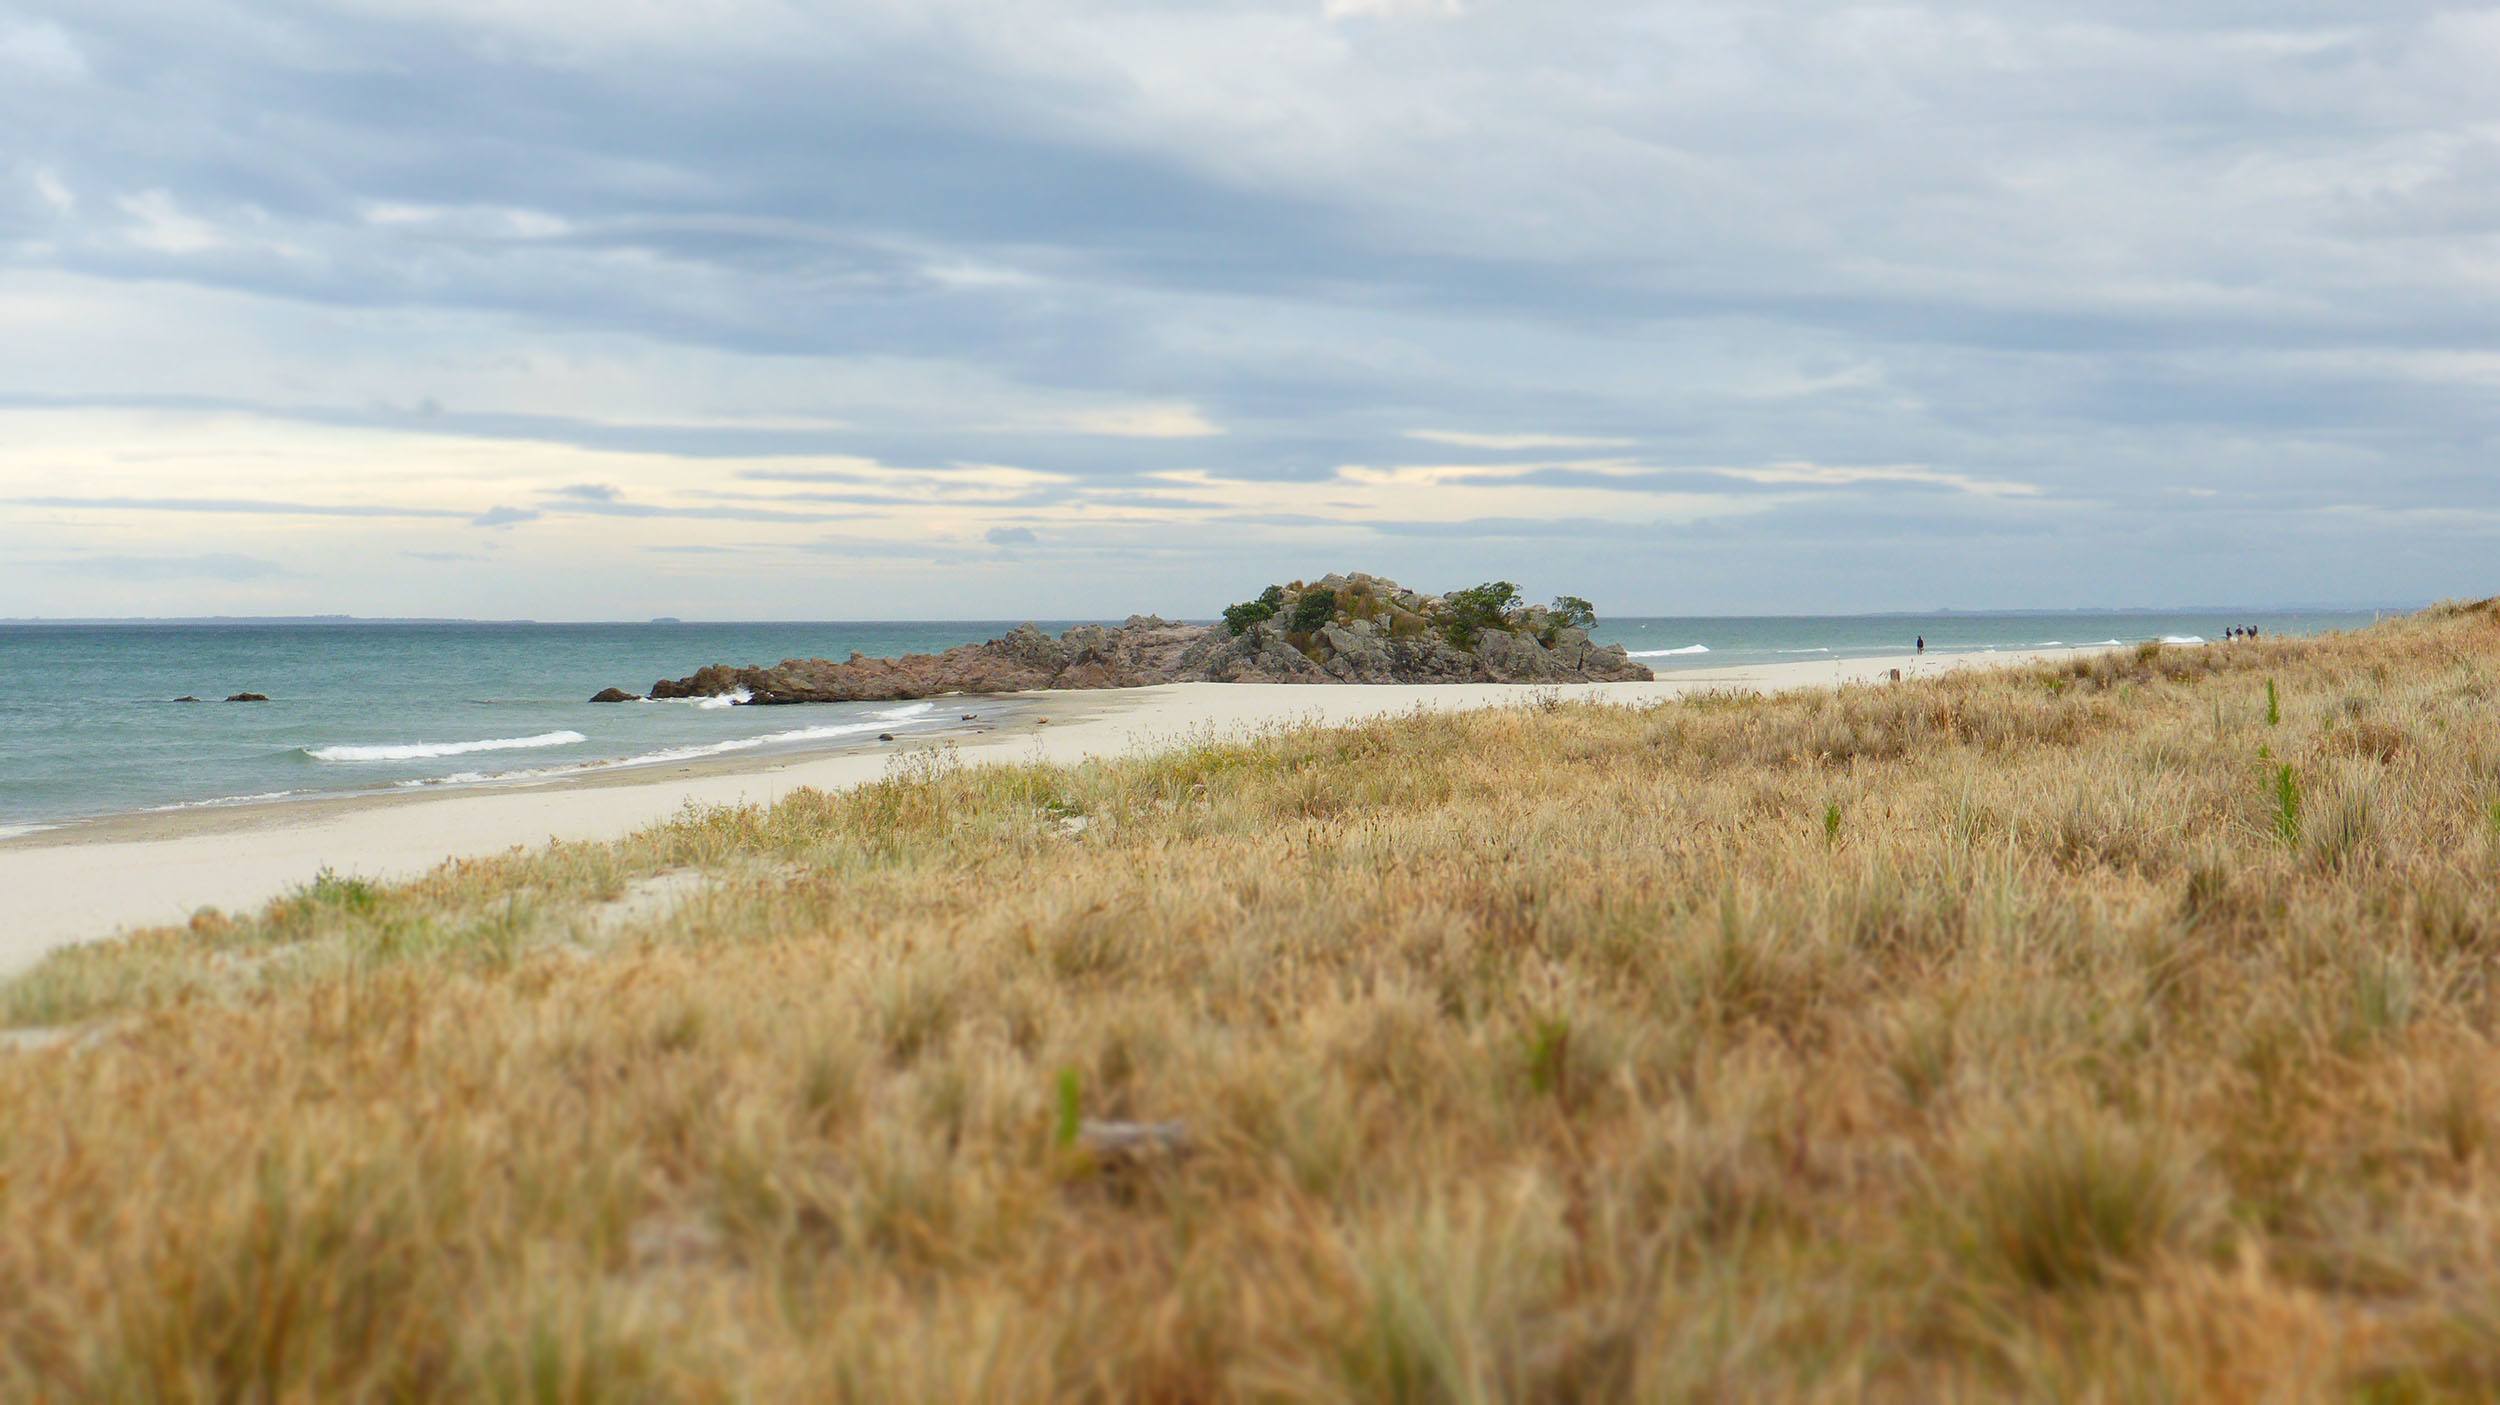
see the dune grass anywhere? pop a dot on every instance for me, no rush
(2122, 1030)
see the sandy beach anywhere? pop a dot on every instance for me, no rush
(96, 879)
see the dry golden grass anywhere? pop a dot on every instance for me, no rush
(2025, 1034)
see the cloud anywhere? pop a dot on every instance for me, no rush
(445, 556)
(1142, 422)
(208, 566)
(1391, 9)
(505, 516)
(1513, 442)
(40, 50)
(1831, 476)
(258, 507)
(590, 492)
(1009, 536)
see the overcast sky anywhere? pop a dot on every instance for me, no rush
(941, 308)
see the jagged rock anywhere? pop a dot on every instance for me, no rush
(613, 695)
(249, 697)
(1379, 632)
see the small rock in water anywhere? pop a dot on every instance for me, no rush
(249, 697)
(615, 695)
(885, 736)
(186, 698)
(971, 716)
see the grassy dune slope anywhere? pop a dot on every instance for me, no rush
(2077, 1033)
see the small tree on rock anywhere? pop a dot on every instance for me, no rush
(1482, 607)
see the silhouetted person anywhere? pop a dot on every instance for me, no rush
(1922, 643)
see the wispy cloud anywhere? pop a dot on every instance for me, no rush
(1814, 475)
(255, 507)
(1509, 443)
(207, 566)
(1140, 422)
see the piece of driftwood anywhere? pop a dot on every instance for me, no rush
(1132, 1142)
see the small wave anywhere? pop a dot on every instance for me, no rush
(16, 831)
(734, 698)
(2050, 644)
(428, 751)
(2101, 644)
(2183, 639)
(1801, 651)
(1667, 653)
(221, 802)
(897, 714)
(674, 754)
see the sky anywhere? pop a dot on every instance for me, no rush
(755, 309)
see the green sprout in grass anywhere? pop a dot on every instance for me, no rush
(2287, 806)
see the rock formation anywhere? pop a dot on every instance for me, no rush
(1339, 629)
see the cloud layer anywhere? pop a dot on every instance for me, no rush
(767, 307)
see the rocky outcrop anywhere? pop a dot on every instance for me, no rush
(611, 695)
(249, 697)
(1340, 629)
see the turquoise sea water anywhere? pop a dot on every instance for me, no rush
(87, 725)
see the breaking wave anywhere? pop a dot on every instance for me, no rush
(428, 751)
(1666, 653)
(2183, 639)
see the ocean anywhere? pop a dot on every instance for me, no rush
(88, 726)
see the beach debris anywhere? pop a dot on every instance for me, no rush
(615, 695)
(1118, 1144)
(249, 697)
(1041, 721)
(972, 717)
(1896, 675)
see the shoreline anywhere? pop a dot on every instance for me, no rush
(94, 879)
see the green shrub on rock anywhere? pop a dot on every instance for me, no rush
(1482, 607)
(1313, 611)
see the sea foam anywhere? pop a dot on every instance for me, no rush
(2183, 639)
(895, 717)
(428, 751)
(1666, 653)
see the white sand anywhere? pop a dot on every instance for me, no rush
(92, 881)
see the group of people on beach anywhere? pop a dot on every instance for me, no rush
(2240, 632)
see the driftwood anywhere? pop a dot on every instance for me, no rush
(1132, 1143)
